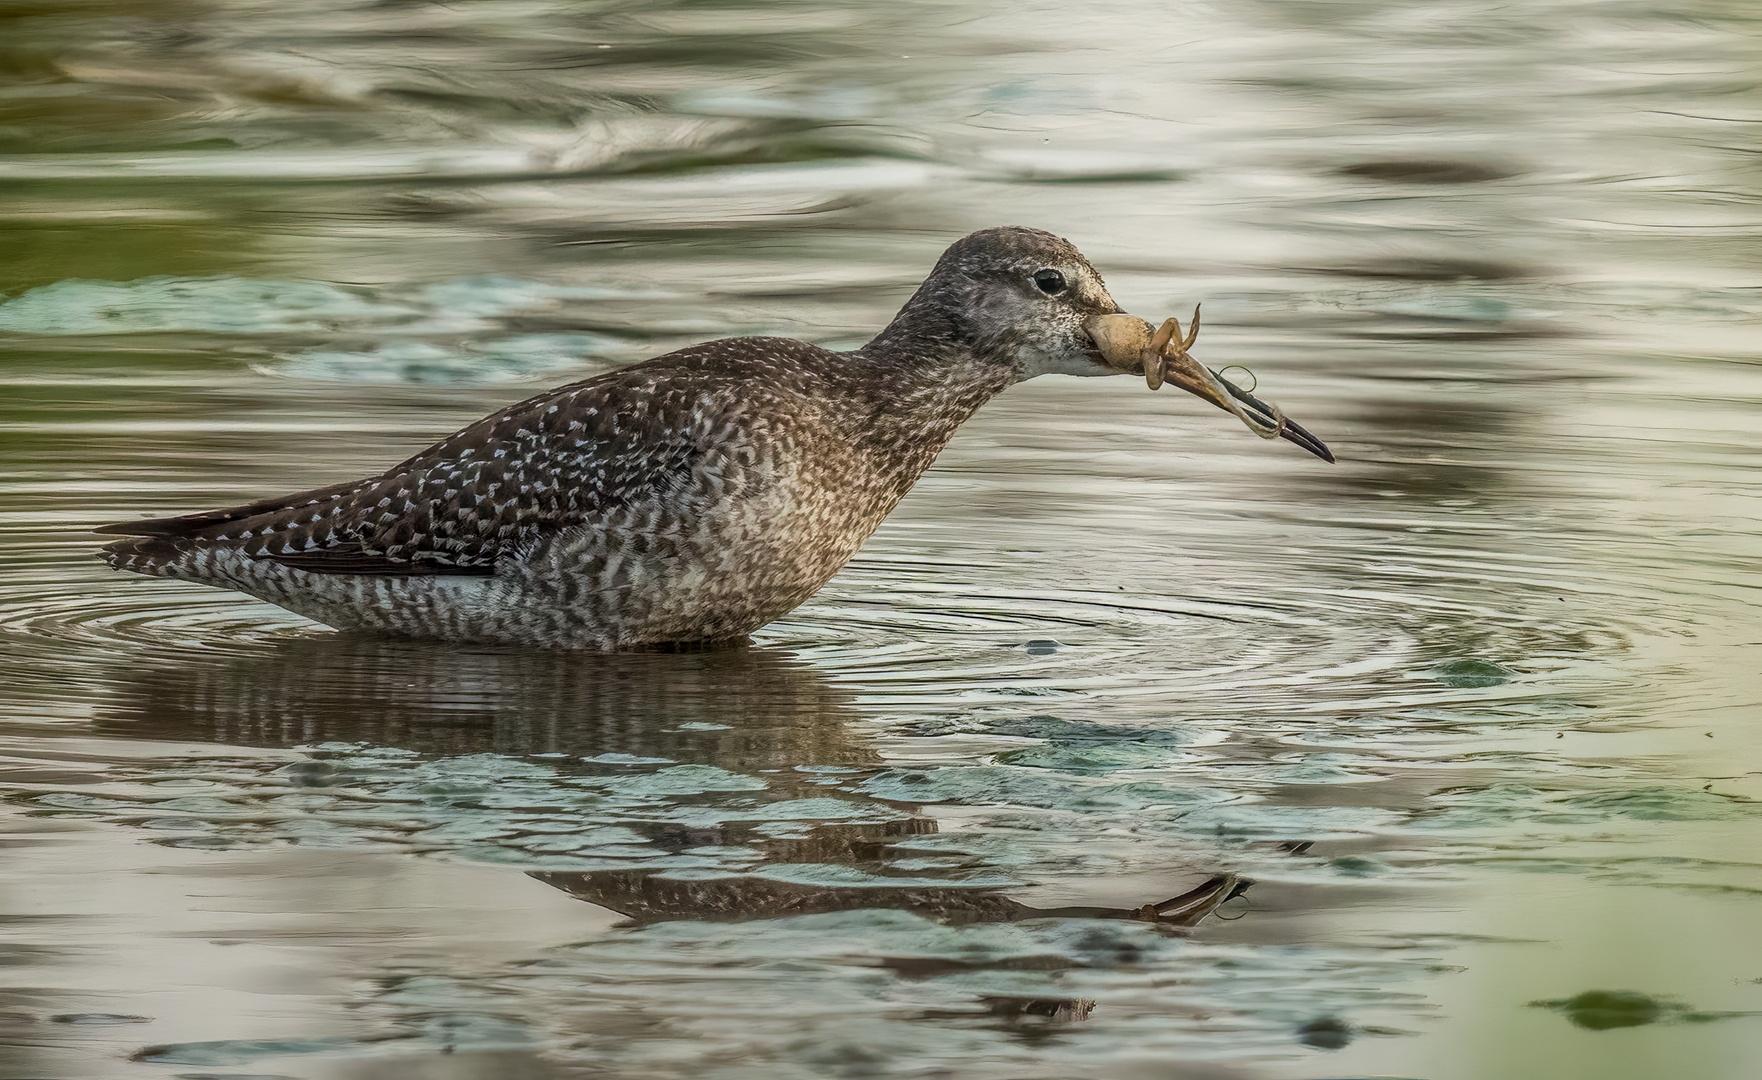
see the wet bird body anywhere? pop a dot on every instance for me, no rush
(691, 498)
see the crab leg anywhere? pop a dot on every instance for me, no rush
(1153, 352)
(1157, 354)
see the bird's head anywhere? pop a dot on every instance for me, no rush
(1028, 302)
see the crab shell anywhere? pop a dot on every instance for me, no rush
(1121, 340)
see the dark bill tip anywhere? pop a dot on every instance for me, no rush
(1294, 432)
(1276, 422)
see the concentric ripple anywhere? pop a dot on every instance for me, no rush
(1362, 615)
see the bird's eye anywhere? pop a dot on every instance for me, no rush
(1050, 282)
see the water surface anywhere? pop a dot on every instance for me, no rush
(1462, 724)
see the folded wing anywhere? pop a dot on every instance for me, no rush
(554, 461)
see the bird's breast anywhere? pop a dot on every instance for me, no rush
(752, 530)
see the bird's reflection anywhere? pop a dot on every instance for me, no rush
(648, 896)
(746, 709)
(760, 713)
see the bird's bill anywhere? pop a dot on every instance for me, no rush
(1126, 343)
(1262, 419)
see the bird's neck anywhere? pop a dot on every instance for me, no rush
(920, 387)
(934, 343)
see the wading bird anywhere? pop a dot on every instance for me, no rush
(689, 499)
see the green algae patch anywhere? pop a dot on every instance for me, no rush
(1602, 1010)
(1466, 674)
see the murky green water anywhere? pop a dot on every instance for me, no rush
(1465, 723)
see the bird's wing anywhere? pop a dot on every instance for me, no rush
(560, 459)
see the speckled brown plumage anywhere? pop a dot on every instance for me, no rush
(690, 498)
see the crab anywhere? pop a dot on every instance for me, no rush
(1128, 344)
